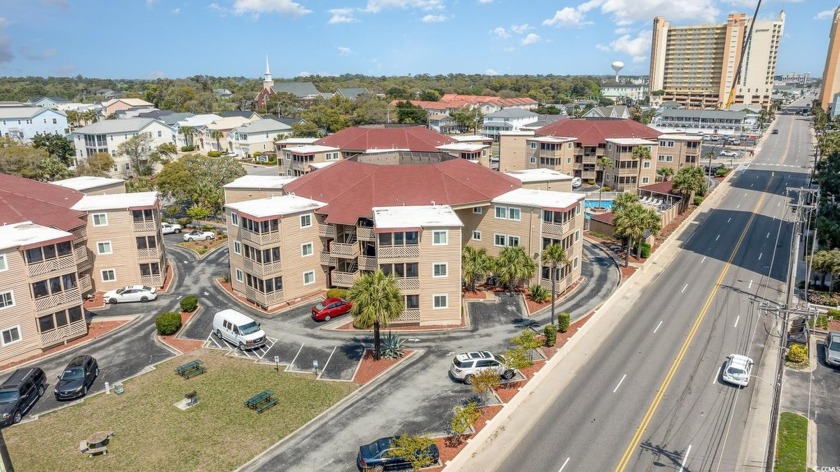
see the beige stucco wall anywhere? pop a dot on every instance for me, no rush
(124, 258)
(450, 285)
(236, 195)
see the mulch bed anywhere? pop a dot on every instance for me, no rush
(477, 295)
(448, 452)
(369, 368)
(834, 325)
(627, 271)
(95, 302)
(184, 345)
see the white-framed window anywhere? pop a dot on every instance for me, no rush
(239, 275)
(306, 249)
(663, 158)
(646, 165)
(234, 219)
(501, 213)
(476, 235)
(440, 238)
(533, 159)
(104, 247)
(645, 180)
(7, 299)
(3, 264)
(237, 247)
(108, 275)
(440, 301)
(305, 221)
(477, 210)
(513, 240)
(11, 335)
(571, 145)
(577, 235)
(309, 277)
(514, 214)
(499, 239)
(533, 145)
(440, 269)
(100, 219)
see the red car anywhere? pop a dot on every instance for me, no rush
(330, 308)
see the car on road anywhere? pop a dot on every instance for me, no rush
(374, 456)
(130, 293)
(832, 349)
(330, 308)
(77, 378)
(197, 235)
(19, 392)
(737, 370)
(729, 154)
(169, 228)
(775, 131)
(577, 182)
(466, 365)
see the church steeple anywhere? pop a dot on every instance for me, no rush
(268, 82)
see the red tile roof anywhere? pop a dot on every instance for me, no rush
(42, 203)
(659, 187)
(594, 132)
(606, 218)
(412, 138)
(350, 189)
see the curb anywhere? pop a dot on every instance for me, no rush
(263, 312)
(198, 256)
(183, 328)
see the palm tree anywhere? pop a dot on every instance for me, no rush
(188, 132)
(475, 264)
(666, 173)
(652, 222)
(641, 153)
(513, 266)
(689, 180)
(604, 163)
(555, 256)
(376, 302)
(629, 224)
(624, 200)
(217, 135)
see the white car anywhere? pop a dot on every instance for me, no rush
(577, 182)
(729, 153)
(737, 370)
(169, 228)
(465, 366)
(130, 293)
(199, 236)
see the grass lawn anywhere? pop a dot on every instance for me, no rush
(792, 444)
(150, 433)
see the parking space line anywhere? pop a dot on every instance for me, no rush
(685, 458)
(326, 363)
(657, 327)
(291, 364)
(619, 383)
(717, 375)
(564, 464)
(683, 290)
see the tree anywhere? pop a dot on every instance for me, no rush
(217, 134)
(513, 266)
(604, 163)
(195, 179)
(50, 169)
(376, 302)
(689, 180)
(484, 381)
(305, 129)
(821, 263)
(652, 222)
(624, 200)
(666, 173)
(640, 153)
(284, 104)
(20, 160)
(475, 264)
(163, 152)
(97, 165)
(632, 221)
(828, 221)
(414, 448)
(136, 149)
(467, 119)
(188, 132)
(555, 256)
(462, 419)
(408, 113)
(56, 146)
(144, 183)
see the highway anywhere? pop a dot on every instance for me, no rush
(651, 397)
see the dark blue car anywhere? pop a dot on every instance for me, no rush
(373, 455)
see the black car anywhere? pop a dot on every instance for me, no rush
(19, 392)
(77, 378)
(372, 456)
(775, 131)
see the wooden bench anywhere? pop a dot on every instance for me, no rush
(190, 369)
(261, 401)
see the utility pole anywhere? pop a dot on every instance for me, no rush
(804, 210)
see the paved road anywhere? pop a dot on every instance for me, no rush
(736, 253)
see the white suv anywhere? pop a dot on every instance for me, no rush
(737, 370)
(466, 365)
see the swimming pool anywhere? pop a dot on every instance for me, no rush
(608, 204)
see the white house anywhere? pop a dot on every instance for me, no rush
(509, 119)
(257, 136)
(218, 135)
(107, 135)
(47, 102)
(23, 123)
(702, 121)
(197, 123)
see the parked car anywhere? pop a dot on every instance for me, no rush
(238, 329)
(775, 131)
(832, 349)
(737, 370)
(197, 235)
(330, 308)
(729, 154)
(130, 293)
(19, 392)
(577, 182)
(169, 228)
(373, 456)
(465, 366)
(77, 378)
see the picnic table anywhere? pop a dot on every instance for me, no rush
(96, 443)
(261, 401)
(190, 369)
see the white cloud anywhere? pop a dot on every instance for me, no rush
(341, 15)
(530, 39)
(434, 18)
(621, 31)
(218, 9)
(568, 16)
(3, 22)
(257, 7)
(491, 72)
(33, 55)
(625, 12)
(500, 32)
(375, 6)
(637, 47)
(824, 15)
(520, 29)
(484, 2)
(344, 51)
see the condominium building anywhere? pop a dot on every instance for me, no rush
(831, 72)
(106, 136)
(724, 122)
(697, 65)
(57, 245)
(408, 213)
(23, 123)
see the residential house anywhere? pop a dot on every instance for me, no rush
(620, 93)
(109, 94)
(107, 135)
(195, 124)
(222, 93)
(258, 136)
(352, 93)
(216, 136)
(110, 107)
(615, 111)
(23, 123)
(47, 102)
(511, 119)
(247, 114)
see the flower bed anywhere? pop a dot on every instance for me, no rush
(448, 451)
(369, 368)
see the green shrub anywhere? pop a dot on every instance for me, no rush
(722, 171)
(184, 222)
(822, 322)
(645, 250)
(833, 314)
(591, 181)
(257, 154)
(187, 148)
(550, 335)
(209, 228)
(516, 359)
(539, 293)
(168, 323)
(797, 354)
(607, 188)
(201, 250)
(226, 278)
(213, 153)
(189, 303)
(563, 321)
(337, 293)
(462, 419)
(698, 200)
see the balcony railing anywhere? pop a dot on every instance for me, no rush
(145, 225)
(367, 263)
(396, 252)
(365, 234)
(152, 280)
(327, 259)
(344, 250)
(85, 284)
(557, 229)
(56, 299)
(59, 335)
(262, 269)
(326, 231)
(260, 238)
(410, 315)
(81, 254)
(264, 299)
(408, 283)
(343, 279)
(51, 265)
(149, 253)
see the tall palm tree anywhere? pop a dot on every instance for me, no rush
(555, 256)
(475, 264)
(623, 200)
(629, 224)
(513, 266)
(666, 173)
(188, 132)
(689, 180)
(640, 153)
(376, 302)
(217, 135)
(604, 163)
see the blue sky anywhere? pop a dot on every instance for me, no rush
(178, 38)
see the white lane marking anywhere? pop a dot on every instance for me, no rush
(619, 383)
(717, 375)
(327, 363)
(736, 321)
(759, 255)
(777, 204)
(745, 194)
(718, 237)
(768, 235)
(730, 219)
(704, 260)
(683, 290)
(657, 327)
(564, 464)
(750, 286)
(685, 458)
(739, 206)
(751, 185)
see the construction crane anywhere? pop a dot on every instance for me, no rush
(747, 40)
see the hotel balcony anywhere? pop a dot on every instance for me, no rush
(81, 253)
(367, 263)
(49, 302)
(155, 280)
(398, 252)
(558, 229)
(262, 269)
(264, 299)
(365, 234)
(59, 335)
(51, 265)
(85, 284)
(344, 250)
(343, 279)
(327, 259)
(408, 283)
(150, 253)
(145, 226)
(326, 231)
(260, 238)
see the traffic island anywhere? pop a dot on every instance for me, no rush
(792, 443)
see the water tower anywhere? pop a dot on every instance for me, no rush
(617, 66)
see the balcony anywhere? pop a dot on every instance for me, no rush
(558, 229)
(344, 250)
(262, 269)
(85, 284)
(264, 299)
(327, 259)
(260, 238)
(367, 263)
(145, 225)
(365, 234)
(81, 254)
(79, 234)
(59, 335)
(51, 265)
(408, 283)
(397, 252)
(410, 315)
(150, 253)
(73, 295)
(326, 231)
(155, 280)
(343, 279)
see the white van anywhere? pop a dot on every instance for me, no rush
(238, 329)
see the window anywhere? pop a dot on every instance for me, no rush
(645, 180)
(476, 235)
(501, 213)
(108, 275)
(440, 269)
(306, 249)
(533, 145)
(239, 275)
(3, 264)
(309, 277)
(440, 301)
(513, 240)
(305, 221)
(577, 235)
(533, 159)
(11, 335)
(477, 210)
(499, 239)
(514, 214)
(237, 247)
(7, 299)
(440, 238)
(100, 219)
(103, 247)
(412, 302)
(234, 219)
(646, 165)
